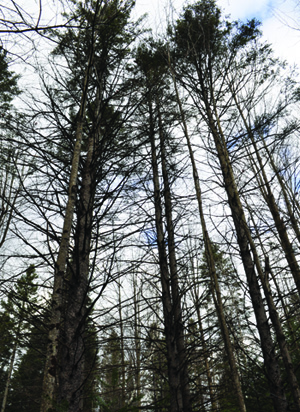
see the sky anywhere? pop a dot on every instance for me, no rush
(275, 16)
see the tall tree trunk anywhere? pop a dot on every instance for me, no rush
(137, 342)
(275, 319)
(210, 260)
(265, 188)
(242, 231)
(73, 350)
(205, 351)
(243, 237)
(292, 379)
(176, 298)
(50, 381)
(176, 401)
(122, 400)
(266, 191)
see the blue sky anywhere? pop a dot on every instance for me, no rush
(275, 16)
(247, 9)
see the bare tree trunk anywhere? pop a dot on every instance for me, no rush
(267, 345)
(122, 403)
(205, 350)
(176, 401)
(211, 264)
(11, 365)
(73, 349)
(265, 188)
(176, 298)
(281, 340)
(137, 342)
(270, 200)
(244, 236)
(275, 319)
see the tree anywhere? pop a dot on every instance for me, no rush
(27, 380)
(21, 303)
(9, 174)
(205, 53)
(209, 253)
(153, 72)
(94, 55)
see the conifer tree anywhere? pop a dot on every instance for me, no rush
(94, 56)
(210, 47)
(19, 309)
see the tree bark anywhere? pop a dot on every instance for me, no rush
(267, 345)
(243, 237)
(210, 260)
(73, 348)
(50, 380)
(176, 298)
(176, 400)
(266, 191)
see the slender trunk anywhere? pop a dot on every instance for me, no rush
(176, 402)
(267, 345)
(284, 306)
(266, 191)
(211, 263)
(270, 200)
(176, 298)
(50, 381)
(275, 319)
(292, 379)
(73, 349)
(243, 237)
(205, 351)
(122, 350)
(11, 365)
(137, 344)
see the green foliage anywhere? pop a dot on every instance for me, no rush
(255, 387)
(157, 370)
(245, 33)
(104, 28)
(199, 31)
(8, 85)
(22, 299)
(105, 407)
(26, 385)
(151, 59)
(19, 323)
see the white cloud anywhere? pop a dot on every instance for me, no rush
(261, 9)
(274, 14)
